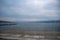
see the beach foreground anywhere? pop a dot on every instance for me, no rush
(29, 35)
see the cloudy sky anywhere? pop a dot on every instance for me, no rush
(29, 10)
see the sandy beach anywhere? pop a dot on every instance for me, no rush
(29, 35)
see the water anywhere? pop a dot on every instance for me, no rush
(32, 26)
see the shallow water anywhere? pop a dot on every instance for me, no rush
(32, 26)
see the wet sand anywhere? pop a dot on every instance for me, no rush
(30, 35)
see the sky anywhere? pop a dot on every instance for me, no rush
(29, 10)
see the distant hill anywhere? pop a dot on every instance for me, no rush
(3, 23)
(52, 21)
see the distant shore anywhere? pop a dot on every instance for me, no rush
(6, 24)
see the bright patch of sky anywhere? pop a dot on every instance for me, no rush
(29, 10)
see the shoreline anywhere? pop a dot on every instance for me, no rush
(31, 32)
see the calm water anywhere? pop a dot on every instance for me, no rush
(32, 26)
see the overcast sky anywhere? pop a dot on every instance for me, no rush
(29, 10)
